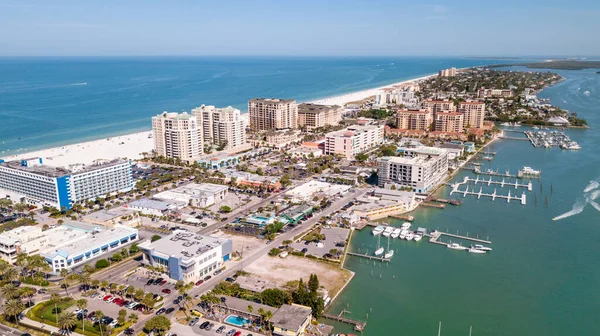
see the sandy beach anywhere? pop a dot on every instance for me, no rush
(130, 146)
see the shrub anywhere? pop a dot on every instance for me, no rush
(102, 263)
(155, 238)
(274, 251)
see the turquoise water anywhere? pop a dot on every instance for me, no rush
(46, 102)
(542, 276)
(237, 321)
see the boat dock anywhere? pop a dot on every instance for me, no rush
(514, 138)
(435, 236)
(502, 183)
(446, 201)
(490, 172)
(433, 205)
(407, 218)
(358, 325)
(367, 256)
(493, 196)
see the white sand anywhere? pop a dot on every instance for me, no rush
(360, 95)
(128, 146)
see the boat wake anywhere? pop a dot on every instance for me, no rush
(591, 192)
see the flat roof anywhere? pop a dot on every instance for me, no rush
(106, 215)
(290, 317)
(272, 100)
(150, 204)
(192, 190)
(424, 150)
(185, 244)
(51, 171)
(310, 108)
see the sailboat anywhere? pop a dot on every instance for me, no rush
(379, 250)
(389, 253)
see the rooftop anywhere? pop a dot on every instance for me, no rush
(290, 317)
(272, 100)
(51, 171)
(150, 204)
(192, 190)
(106, 215)
(185, 244)
(175, 116)
(315, 108)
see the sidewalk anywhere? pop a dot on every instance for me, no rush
(31, 323)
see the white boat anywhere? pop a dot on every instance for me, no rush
(388, 254)
(396, 233)
(403, 234)
(378, 230)
(405, 226)
(388, 231)
(528, 171)
(571, 145)
(481, 247)
(456, 246)
(474, 250)
(418, 237)
(410, 236)
(379, 251)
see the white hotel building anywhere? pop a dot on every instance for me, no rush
(35, 183)
(419, 169)
(67, 246)
(221, 125)
(353, 140)
(187, 256)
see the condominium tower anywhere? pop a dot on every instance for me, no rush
(177, 135)
(414, 119)
(272, 114)
(474, 113)
(314, 116)
(420, 169)
(353, 140)
(221, 125)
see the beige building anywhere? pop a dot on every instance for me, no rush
(353, 140)
(314, 116)
(449, 121)
(439, 106)
(383, 203)
(177, 135)
(494, 93)
(279, 138)
(272, 114)
(414, 119)
(474, 113)
(221, 125)
(451, 72)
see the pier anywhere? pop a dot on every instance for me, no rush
(502, 183)
(367, 256)
(433, 205)
(358, 325)
(493, 196)
(514, 138)
(490, 172)
(435, 236)
(446, 201)
(407, 218)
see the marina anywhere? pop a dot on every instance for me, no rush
(551, 139)
(490, 181)
(358, 325)
(368, 256)
(493, 196)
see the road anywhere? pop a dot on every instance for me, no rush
(6, 330)
(230, 271)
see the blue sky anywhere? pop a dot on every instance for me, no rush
(299, 27)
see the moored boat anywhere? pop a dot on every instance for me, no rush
(388, 254)
(396, 233)
(379, 251)
(418, 237)
(475, 250)
(456, 246)
(378, 230)
(410, 236)
(388, 231)
(481, 247)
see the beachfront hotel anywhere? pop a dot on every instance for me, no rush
(414, 119)
(353, 140)
(474, 113)
(420, 169)
(32, 182)
(436, 106)
(404, 94)
(449, 122)
(187, 256)
(272, 114)
(177, 135)
(221, 125)
(314, 116)
(451, 72)
(66, 246)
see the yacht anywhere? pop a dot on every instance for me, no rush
(476, 250)
(403, 234)
(405, 225)
(396, 233)
(571, 145)
(528, 172)
(378, 230)
(456, 246)
(388, 231)
(410, 236)
(481, 247)
(418, 237)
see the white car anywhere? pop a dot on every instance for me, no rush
(113, 324)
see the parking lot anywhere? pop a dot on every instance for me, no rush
(181, 329)
(333, 236)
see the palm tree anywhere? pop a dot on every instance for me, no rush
(99, 315)
(82, 304)
(55, 299)
(10, 274)
(9, 291)
(66, 321)
(28, 292)
(133, 318)
(65, 285)
(64, 273)
(95, 283)
(85, 280)
(139, 294)
(13, 308)
(250, 309)
(89, 269)
(268, 316)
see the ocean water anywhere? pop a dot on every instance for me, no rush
(542, 276)
(46, 102)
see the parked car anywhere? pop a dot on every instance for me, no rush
(208, 277)
(194, 321)
(230, 280)
(231, 332)
(150, 282)
(220, 330)
(199, 282)
(157, 281)
(163, 282)
(106, 298)
(160, 311)
(166, 291)
(196, 312)
(169, 310)
(209, 326)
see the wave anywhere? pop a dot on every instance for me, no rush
(591, 186)
(577, 208)
(33, 88)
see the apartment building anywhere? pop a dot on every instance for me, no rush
(400, 95)
(414, 119)
(494, 93)
(32, 182)
(449, 122)
(187, 256)
(420, 169)
(272, 114)
(314, 116)
(436, 106)
(221, 125)
(451, 72)
(353, 140)
(177, 135)
(474, 113)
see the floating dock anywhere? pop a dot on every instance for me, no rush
(407, 218)
(433, 205)
(502, 183)
(368, 256)
(358, 325)
(435, 236)
(493, 196)
(445, 201)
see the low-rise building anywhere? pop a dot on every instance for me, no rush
(302, 152)
(187, 256)
(114, 216)
(225, 159)
(313, 116)
(559, 121)
(353, 140)
(454, 150)
(384, 203)
(153, 207)
(312, 188)
(419, 169)
(291, 320)
(197, 195)
(251, 180)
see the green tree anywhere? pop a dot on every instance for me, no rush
(313, 283)
(9, 291)
(82, 304)
(285, 180)
(225, 209)
(55, 299)
(148, 301)
(130, 291)
(361, 157)
(159, 324)
(14, 307)
(134, 248)
(250, 309)
(274, 297)
(102, 263)
(155, 238)
(133, 318)
(99, 314)
(10, 274)
(122, 317)
(66, 321)
(139, 294)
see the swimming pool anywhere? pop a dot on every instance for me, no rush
(237, 321)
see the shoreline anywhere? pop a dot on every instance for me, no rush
(130, 145)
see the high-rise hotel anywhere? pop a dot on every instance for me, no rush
(177, 135)
(221, 125)
(35, 183)
(272, 114)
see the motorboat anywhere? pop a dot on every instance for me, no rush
(481, 247)
(418, 237)
(410, 236)
(403, 234)
(571, 145)
(457, 246)
(396, 233)
(388, 231)
(378, 230)
(405, 226)
(379, 251)
(388, 254)
(475, 250)
(528, 172)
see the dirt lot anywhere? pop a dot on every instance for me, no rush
(249, 244)
(281, 270)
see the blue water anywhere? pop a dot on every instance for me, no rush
(237, 320)
(47, 102)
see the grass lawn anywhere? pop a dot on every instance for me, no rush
(46, 315)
